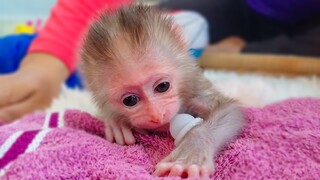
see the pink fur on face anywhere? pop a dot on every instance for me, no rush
(154, 109)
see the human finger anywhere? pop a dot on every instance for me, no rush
(14, 111)
(13, 91)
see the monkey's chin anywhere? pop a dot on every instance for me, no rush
(162, 128)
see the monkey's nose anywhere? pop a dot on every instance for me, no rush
(157, 119)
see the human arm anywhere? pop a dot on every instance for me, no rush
(51, 58)
(67, 23)
(306, 43)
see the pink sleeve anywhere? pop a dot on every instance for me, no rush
(66, 25)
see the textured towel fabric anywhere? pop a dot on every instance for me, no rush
(281, 141)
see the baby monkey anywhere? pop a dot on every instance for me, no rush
(137, 65)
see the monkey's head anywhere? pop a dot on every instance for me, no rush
(135, 63)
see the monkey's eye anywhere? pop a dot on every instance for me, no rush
(162, 87)
(131, 100)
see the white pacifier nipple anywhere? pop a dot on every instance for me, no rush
(181, 124)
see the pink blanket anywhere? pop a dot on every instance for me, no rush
(281, 141)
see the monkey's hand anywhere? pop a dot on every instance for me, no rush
(120, 132)
(193, 157)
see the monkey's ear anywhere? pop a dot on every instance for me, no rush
(177, 29)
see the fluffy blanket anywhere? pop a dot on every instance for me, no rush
(281, 141)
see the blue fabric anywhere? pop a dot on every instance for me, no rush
(196, 53)
(12, 50)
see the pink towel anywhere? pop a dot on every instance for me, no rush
(281, 141)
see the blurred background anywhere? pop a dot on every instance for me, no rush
(13, 13)
(251, 89)
(17, 12)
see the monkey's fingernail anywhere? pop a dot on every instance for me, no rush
(193, 166)
(178, 166)
(159, 164)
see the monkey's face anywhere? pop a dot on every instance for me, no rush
(146, 96)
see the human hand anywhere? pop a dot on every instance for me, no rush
(232, 44)
(32, 87)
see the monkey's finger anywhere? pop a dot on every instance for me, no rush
(177, 170)
(193, 171)
(128, 135)
(166, 159)
(208, 167)
(109, 133)
(162, 169)
(205, 173)
(118, 136)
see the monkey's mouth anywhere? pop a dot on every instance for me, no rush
(164, 127)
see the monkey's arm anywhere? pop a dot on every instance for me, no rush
(193, 156)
